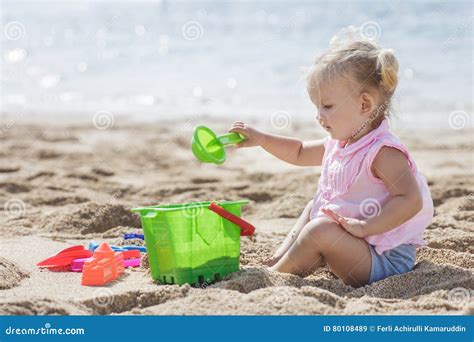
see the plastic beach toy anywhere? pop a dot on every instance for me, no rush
(93, 246)
(103, 267)
(74, 258)
(128, 236)
(65, 257)
(209, 148)
(191, 242)
(135, 248)
(135, 262)
(78, 264)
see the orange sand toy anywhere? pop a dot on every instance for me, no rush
(103, 267)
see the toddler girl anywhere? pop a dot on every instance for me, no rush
(372, 203)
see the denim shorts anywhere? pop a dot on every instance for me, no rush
(398, 260)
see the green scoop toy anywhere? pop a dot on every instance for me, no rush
(209, 148)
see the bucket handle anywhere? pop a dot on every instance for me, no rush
(246, 228)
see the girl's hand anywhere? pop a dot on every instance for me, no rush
(352, 226)
(254, 136)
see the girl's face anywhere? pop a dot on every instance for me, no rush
(340, 110)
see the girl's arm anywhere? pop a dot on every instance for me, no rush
(391, 166)
(291, 150)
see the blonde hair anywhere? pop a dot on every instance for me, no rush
(360, 60)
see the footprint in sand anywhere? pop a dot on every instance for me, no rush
(10, 274)
(14, 187)
(9, 169)
(204, 180)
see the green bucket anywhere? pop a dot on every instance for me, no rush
(189, 243)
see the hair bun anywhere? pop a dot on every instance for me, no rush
(388, 65)
(348, 35)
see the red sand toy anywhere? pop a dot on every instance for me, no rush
(65, 257)
(131, 254)
(104, 266)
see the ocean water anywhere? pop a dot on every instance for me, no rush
(161, 59)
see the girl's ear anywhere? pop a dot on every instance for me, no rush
(367, 103)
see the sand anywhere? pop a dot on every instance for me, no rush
(68, 183)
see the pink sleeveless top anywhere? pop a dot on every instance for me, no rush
(348, 187)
